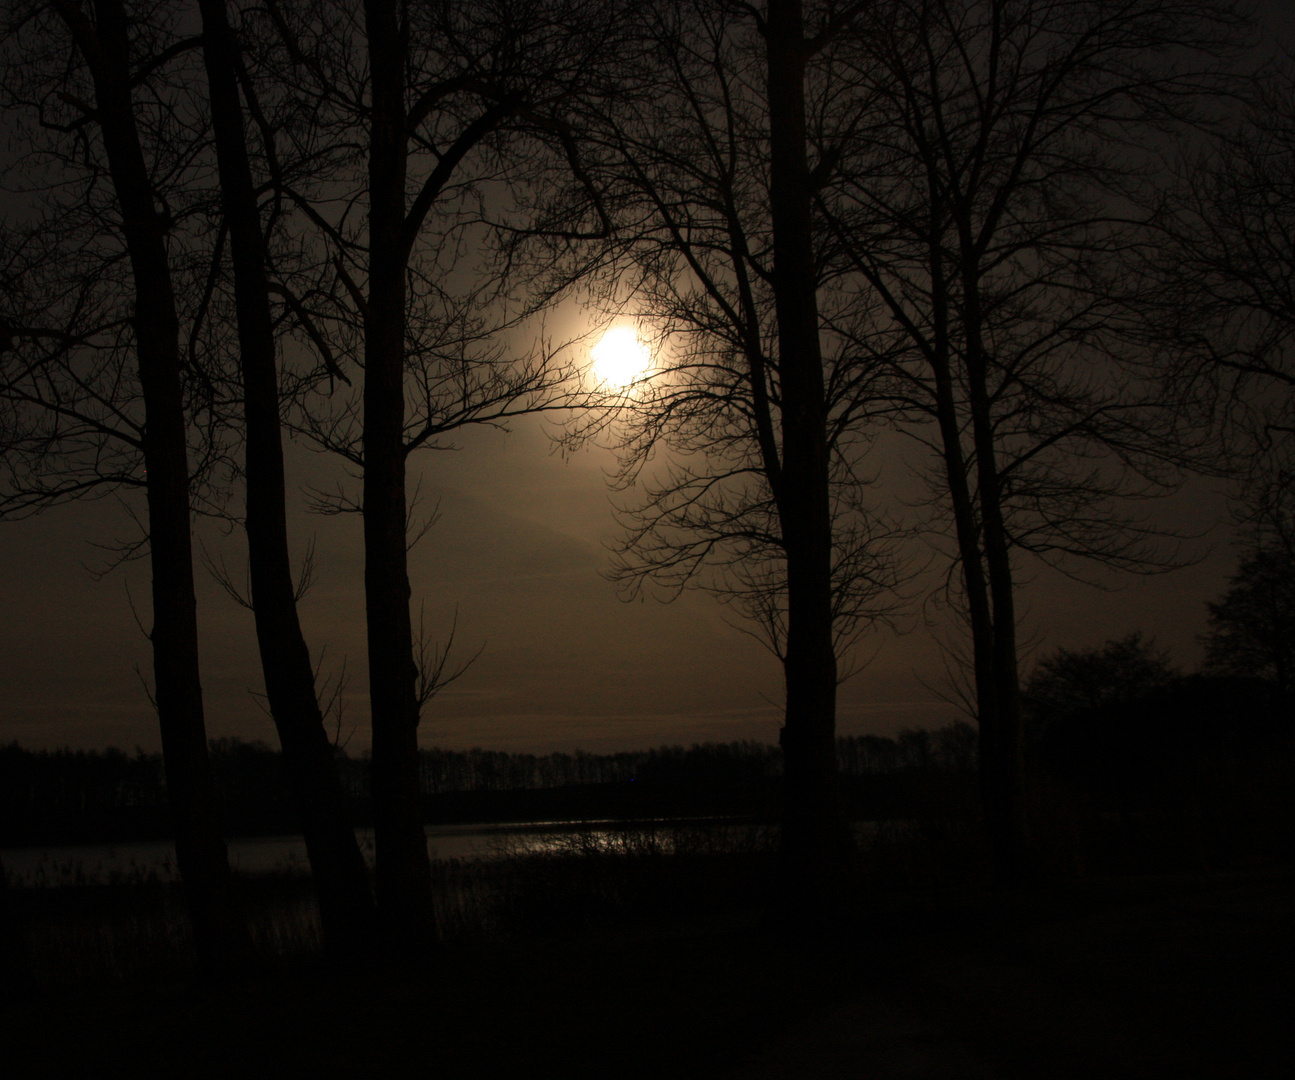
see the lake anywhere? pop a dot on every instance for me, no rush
(104, 863)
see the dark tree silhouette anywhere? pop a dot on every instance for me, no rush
(988, 208)
(815, 841)
(1252, 627)
(341, 878)
(424, 112)
(1228, 268)
(1116, 731)
(1074, 681)
(1105, 719)
(112, 58)
(707, 157)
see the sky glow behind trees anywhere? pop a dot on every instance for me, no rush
(518, 553)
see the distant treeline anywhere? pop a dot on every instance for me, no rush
(50, 796)
(1157, 745)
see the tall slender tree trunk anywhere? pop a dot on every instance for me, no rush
(341, 879)
(984, 557)
(219, 931)
(816, 842)
(970, 557)
(998, 686)
(1002, 742)
(400, 841)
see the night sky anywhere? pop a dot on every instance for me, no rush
(519, 550)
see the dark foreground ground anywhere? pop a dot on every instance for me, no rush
(1175, 976)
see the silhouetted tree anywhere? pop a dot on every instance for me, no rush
(707, 159)
(111, 63)
(987, 205)
(1252, 628)
(428, 103)
(341, 878)
(1094, 716)
(1229, 304)
(815, 842)
(1074, 681)
(1118, 727)
(82, 410)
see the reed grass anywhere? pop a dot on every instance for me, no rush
(81, 930)
(543, 885)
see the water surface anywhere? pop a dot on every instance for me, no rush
(75, 864)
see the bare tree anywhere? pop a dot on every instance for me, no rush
(74, 376)
(1229, 302)
(79, 436)
(341, 878)
(745, 452)
(1072, 682)
(812, 823)
(1252, 626)
(428, 107)
(990, 210)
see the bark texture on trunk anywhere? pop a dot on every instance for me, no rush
(219, 930)
(337, 865)
(816, 842)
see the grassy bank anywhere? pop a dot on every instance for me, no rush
(646, 956)
(1181, 975)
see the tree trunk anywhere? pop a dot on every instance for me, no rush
(341, 879)
(816, 842)
(403, 867)
(986, 565)
(219, 931)
(1002, 753)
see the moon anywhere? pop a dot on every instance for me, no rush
(620, 358)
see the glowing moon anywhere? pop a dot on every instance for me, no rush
(620, 358)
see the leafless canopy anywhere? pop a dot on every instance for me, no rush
(679, 157)
(1229, 273)
(72, 420)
